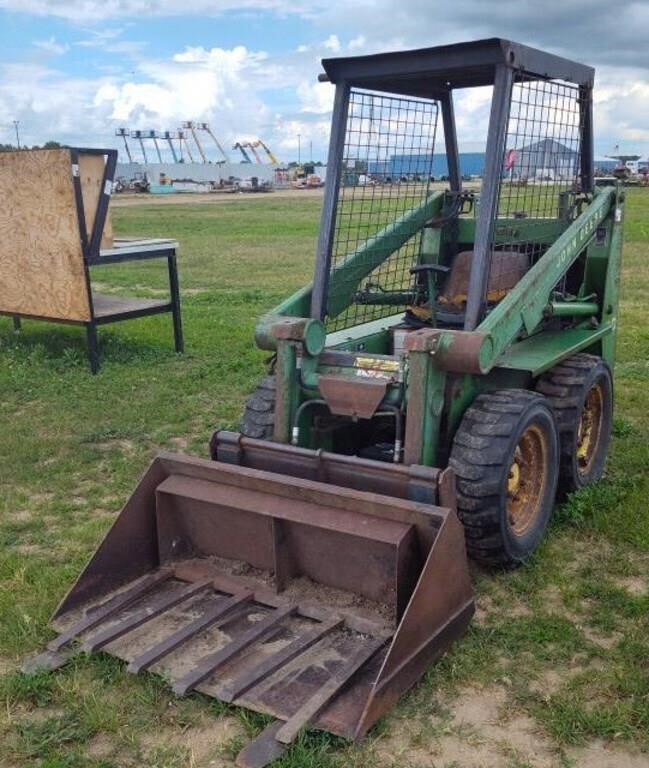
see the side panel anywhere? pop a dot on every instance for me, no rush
(41, 260)
(438, 613)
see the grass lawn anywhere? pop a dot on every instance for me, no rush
(555, 669)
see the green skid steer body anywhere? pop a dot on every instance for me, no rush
(443, 380)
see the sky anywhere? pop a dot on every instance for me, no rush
(74, 71)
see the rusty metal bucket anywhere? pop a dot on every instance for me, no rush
(313, 587)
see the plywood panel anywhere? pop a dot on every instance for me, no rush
(41, 261)
(91, 173)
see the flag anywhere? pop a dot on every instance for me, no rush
(510, 158)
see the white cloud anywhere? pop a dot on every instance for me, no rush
(52, 46)
(316, 98)
(98, 38)
(621, 107)
(332, 43)
(472, 108)
(286, 135)
(195, 84)
(84, 11)
(237, 89)
(41, 99)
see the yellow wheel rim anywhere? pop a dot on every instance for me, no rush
(589, 429)
(527, 480)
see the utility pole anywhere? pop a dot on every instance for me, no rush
(310, 151)
(17, 134)
(299, 159)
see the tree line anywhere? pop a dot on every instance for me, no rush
(47, 145)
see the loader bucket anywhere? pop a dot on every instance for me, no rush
(256, 580)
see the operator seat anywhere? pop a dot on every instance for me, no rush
(507, 268)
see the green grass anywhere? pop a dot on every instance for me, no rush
(72, 447)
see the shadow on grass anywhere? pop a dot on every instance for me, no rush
(65, 347)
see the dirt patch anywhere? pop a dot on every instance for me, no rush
(599, 755)
(41, 498)
(203, 742)
(484, 607)
(552, 600)
(122, 444)
(634, 585)
(304, 591)
(603, 641)
(484, 731)
(6, 665)
(548, 683)
(491, 719)
(179, 443)
(101, 512)
(100, 746)
(41, 714)
(29, 549)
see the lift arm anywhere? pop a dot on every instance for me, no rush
(182, 137)
(254, 151)
(168, 137)
(206, 127)
(246, 157)
(154, 137)
(525, 307)
(347, 274)
(138, 135)
(123, 133)
(192, 127)
(271, 155)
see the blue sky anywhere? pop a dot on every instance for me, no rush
(75, 70)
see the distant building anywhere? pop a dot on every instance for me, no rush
(545, 159)
(398, 166)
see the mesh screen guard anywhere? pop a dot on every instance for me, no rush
(386, 171)
(540, 175)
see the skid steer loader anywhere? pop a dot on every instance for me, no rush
(444, 377)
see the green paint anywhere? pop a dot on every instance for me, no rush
(523, 307)
(573, 308)
(287, 394)
(507, 360)
(544, 350)
(537, 230)
(297, 305)
(361, 337)
(315, 337)
(347, 275)
(425, 396)
(612, 283)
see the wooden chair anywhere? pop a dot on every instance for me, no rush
(54, 226)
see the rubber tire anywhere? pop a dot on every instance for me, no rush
(566, 387)
(259, 413)
(481, 456)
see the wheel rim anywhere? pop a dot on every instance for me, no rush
(589, 429)
(527, 479)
